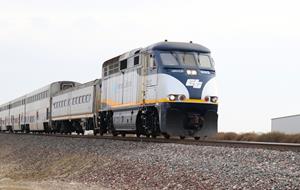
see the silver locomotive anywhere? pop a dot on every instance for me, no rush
(168, 88)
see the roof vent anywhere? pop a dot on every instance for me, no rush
(166, 40)
(191, 42)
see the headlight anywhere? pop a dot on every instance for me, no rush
(177, 97)
(194, 72)
(172, 97)
(191, 72)
(214, 99)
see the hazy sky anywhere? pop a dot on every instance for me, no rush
(255, 44)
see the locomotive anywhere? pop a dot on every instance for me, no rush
(168, 88)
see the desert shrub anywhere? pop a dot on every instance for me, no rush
(271, 137)
(226, 136)
(247, 137)
(265, 137)
(294, 138)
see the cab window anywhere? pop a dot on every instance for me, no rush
(204, 61)
(168, 59)
(187, 59)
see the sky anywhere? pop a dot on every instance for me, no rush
(255, 45)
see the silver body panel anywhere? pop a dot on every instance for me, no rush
(18, 113)
(76, 103)
(121, 90)
(123, 93)
(36, 111)
(4, 117)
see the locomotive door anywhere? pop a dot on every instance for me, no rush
(69, 103)
(19, 122)
(150, 78)
(12, 121)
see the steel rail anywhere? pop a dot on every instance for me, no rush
(295, 147)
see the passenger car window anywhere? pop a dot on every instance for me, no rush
(88, 98)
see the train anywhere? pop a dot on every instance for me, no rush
(165, 89)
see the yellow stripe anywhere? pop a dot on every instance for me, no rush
(162, 100)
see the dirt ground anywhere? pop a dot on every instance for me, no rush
(46, 163)
(9, 184)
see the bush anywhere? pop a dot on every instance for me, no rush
(226, 136)
(292, 138)
(265, 137)
(247, 137)
(271, 137)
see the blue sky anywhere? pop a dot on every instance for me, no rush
(255, 45)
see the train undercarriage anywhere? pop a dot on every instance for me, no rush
(183, 120)
(167, 119)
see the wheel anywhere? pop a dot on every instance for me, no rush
(94, 132)
(182, 137)
(196, 138)
(101, 132)
(148, 122)
(62, 129)
(114, 134)
(110, 125)
(166, 136)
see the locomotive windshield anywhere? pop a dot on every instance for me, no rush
(186, 59)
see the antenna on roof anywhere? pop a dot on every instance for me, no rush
(191, 42)
(166, 40)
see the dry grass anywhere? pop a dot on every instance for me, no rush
(265, 137)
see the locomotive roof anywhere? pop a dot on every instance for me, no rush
(34, 92)
(163, 46)
(121, 57)
(178, 46)
(79, 86)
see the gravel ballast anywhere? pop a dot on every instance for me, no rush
(109, 164)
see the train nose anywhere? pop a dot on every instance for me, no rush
(194, 121)
(190, 119)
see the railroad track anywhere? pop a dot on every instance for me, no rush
(295, 147)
